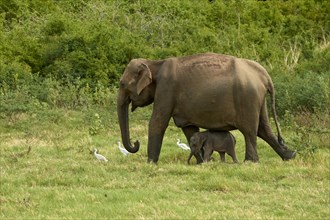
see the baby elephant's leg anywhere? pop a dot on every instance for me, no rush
(207, 153)
(222, 156)
(233, 155)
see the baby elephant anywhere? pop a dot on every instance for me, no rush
(221, 141)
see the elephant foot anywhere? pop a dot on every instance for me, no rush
(199, 162)
(251, 160)
(288, 155)
(152, 161)
(254, 159)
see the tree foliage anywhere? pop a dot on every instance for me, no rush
(87, 43)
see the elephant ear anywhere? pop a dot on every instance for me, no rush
(145, 78)
(202, 140)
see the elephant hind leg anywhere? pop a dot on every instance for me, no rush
(251, 153)
(265, 133)
(249, 127)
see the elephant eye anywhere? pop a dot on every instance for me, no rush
(131, 81)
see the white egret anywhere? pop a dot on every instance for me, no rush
(122, 150)
(99, 156)
(182, 145)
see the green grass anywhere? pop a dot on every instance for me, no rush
(59, 178)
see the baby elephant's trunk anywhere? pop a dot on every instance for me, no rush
(200, 154)
(190, 155)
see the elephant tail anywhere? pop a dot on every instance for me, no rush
(271, 90)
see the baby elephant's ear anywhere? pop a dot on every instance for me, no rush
(201, 140)
(145, 78)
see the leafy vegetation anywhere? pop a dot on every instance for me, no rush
(56, 49)
(60, 62)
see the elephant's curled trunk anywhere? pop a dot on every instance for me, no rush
(199, 157)
(189, 158)
(122, 111)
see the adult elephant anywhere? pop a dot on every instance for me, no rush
(211, 91)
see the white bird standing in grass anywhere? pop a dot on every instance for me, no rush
(99, 156)
(182, 145)
(122, 150)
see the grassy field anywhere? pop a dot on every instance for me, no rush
(60, 179)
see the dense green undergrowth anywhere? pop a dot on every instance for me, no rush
(62, 53)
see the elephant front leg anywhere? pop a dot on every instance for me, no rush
(154, 146)
(157, 126)
(189, 131)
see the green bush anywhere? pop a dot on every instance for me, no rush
(77, 48)
(308, 92)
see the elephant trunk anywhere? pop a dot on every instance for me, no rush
(198, 155)
(123, 102)
(190, 156)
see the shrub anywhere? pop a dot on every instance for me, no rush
(307, 92)
(75, 49)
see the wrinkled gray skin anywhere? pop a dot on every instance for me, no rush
(220, 141)
(211, 91)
